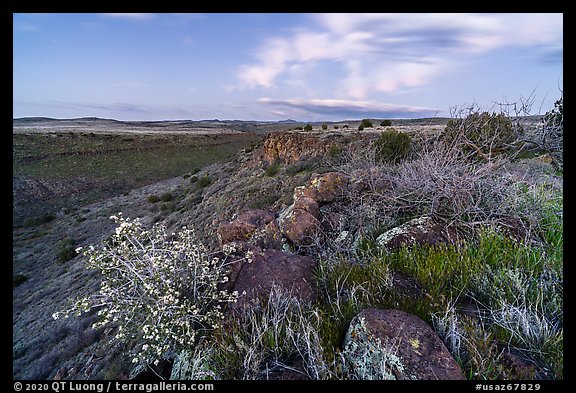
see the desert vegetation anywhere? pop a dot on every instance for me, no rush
(491, 290)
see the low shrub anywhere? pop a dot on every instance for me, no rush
(366, 123)
(386, 123)
(204, 181)
(66, 249)
(168, 207)
(308, 127)
(31, 222)
(272, 169)
(264, 202)
(392, 146)
(153, 198)
(19, 279)
(166, 197)
(160, 291)
(482, 134)
(334, 150)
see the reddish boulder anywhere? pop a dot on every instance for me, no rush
(392, 344)
(272, 267)
(242, 228)
(307, 204)
(299, 225)
(268, 236)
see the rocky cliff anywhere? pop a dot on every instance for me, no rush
(292, 146)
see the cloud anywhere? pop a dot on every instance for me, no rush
(350, 108)
(389, 52)
(133, 16)
(25, 27)
(129, 84)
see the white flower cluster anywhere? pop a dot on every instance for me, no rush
(157, 291)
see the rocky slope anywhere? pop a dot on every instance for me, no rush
(276, 216)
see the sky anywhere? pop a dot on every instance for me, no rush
(268, 67)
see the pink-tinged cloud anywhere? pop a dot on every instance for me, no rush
(389, 52)
(131, 16)
(351, 108)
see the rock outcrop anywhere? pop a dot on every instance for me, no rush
(292, 146)
(244, 226)
(392, 344)
(323, 188)
(419, 231)
(301, 222)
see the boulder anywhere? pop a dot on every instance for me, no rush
(393, 344)
(243, 227)
(419, 231)
(307, 204)
(272, 267)
(299, 225)
(323, 188)
(267, 236)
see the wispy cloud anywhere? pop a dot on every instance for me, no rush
(129, 84)
(25, 26)
(350, 108)
(132, 16)
(388, 52)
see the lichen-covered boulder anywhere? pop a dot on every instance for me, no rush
(267, 236)
(243, 227)
(308, 204)
(392, 344)
(299, 225)
(323, 188)
(422, 230)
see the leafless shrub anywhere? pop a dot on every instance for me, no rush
(440, 179)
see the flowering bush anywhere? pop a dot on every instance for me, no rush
(159, 289)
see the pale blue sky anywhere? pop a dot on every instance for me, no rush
(308, 67)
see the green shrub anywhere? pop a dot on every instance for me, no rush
(160, 290)
(272, 170)
(299, 128)
(153, 198)
(392, 146)
(555, 117)
(308, 127)
(168, 206)
(345, 126)
(553, 129)
(386, 123)
(367, 123)
(336, 127)
(31, 222)
(360, 127)
(66, 249)
(19, 279)
(204, 181)
(334, 150)
(324, 126)
(166, 197)
(481, 133)
(264, 201)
